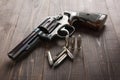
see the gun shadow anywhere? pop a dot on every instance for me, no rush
(85, 29)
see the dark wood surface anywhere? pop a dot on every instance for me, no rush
(99, 58)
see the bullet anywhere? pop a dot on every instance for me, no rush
(69, 54)
(67, 41)
(50, 59)
(79, 41)
(73, 42)
(60, 54)
(63, 56)
(59, 60)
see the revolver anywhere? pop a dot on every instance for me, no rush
(57, 26)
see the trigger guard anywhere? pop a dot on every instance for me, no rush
(62, 35)
(65, 30)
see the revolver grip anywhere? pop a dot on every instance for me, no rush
(92, 20)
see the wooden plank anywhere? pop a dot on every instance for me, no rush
(60, 73)
(9, 15)
(32, 67)
(68, 70)
(22, 23)
(8, 21)
(101, 55)
(114, 13)
(113, 48)
(108, 45)
(98, 59)
(77, 70)
(115, 23)
(92, 54)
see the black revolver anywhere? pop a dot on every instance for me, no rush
(60, 26)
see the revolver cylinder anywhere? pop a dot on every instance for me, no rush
(48, 25)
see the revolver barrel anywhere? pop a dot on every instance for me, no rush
(24, 47)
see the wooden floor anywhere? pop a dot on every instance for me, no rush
(100, 59)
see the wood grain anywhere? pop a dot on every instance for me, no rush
(99, 58)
